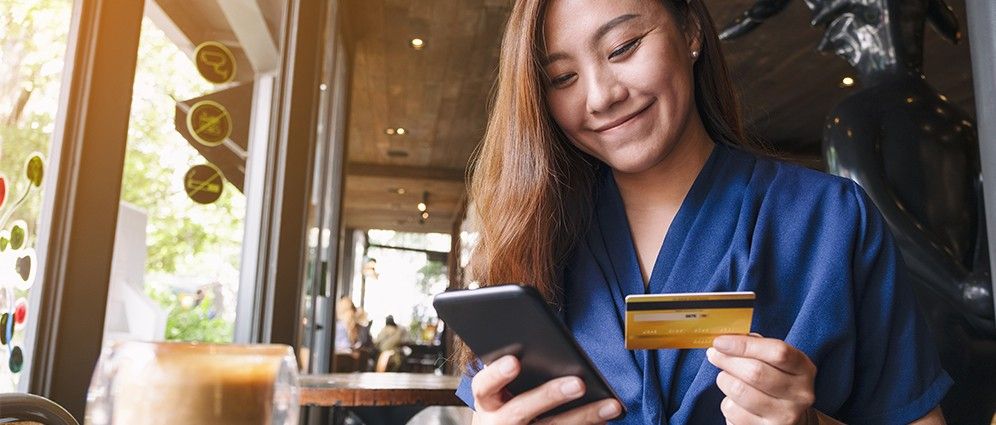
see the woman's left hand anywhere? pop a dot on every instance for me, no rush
(766, 381)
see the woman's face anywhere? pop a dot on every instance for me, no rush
(619, 78)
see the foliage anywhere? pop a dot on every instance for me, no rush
(185, 241)
(191, 323)
(431, 280)
(430, 276)
(33, 37)
(32, 46)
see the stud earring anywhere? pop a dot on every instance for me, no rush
(695, 54)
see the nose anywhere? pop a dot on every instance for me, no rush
(604, 91)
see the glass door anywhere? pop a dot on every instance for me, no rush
(201, 104)
(323, 218)
(33, 43)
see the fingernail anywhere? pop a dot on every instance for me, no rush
(571, 388)
(710, 353)
(609, 410)
(506, 366)
(722, 343)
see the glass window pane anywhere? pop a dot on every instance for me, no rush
(428, 241)
(181, 223)
(401, 284)
(33, 37)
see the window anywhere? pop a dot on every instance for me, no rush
(181, 223)
(32, 50)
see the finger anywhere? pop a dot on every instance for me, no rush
(753, 372)
(527, 406)
(770, 410)
(592, 413)
(751, 399)
(772, 351)
(737, 415)
(488, 385)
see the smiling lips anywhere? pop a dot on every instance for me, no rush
(619, 122)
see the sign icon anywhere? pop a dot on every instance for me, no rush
(203, 183)
(209, 123)
(215, 62)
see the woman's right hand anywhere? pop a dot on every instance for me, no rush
(493, 406)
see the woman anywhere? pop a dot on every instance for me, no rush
(615, 163)
(351, 326)
(388, 343)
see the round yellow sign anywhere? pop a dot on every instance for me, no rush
(215, 62)
(209, 123)
(204, 183)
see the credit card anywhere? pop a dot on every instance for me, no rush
(692, 320)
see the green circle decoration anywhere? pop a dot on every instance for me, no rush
(5, 323)
(16, 360)
(17, 235)
(35, 169)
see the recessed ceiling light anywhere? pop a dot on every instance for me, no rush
(389, 131)
(400, 131)
(421, 206)
(400, 191)
(425, 216)
(417, 43)
(323, 87)
(847, 82)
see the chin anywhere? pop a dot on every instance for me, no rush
(630, 164)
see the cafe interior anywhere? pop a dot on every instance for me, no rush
(287, 180)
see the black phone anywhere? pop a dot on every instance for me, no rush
(513, 319)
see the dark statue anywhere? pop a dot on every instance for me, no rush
(917, 157)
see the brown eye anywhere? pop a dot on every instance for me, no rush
(562, 80)
(625, 48)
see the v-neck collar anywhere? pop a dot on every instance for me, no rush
(616, 231)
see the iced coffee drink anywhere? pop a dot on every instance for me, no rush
(198, 384)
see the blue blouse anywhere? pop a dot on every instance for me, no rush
(828, 278)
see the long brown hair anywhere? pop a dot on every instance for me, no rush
(532, 188)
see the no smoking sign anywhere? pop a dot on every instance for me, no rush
(204, 183)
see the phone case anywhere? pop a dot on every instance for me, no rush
(514, 319)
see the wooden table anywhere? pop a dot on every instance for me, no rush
(379, 389)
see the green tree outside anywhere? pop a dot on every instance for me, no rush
(187, 242)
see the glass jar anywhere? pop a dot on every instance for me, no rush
(192, 383)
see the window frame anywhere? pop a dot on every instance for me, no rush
(80, 205)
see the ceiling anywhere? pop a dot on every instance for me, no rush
(439, 95)
(189, 24)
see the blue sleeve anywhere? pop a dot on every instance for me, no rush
(463, 390)
(898, 375)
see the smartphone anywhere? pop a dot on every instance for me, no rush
(513, 319)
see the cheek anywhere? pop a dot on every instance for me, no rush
(569, 116)
(667, 82)
(660, 76)
(566, 112)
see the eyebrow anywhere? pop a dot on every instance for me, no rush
(599, 34)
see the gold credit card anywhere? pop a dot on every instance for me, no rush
(690, 320)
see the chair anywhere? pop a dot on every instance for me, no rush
(354, 361)
(443, 415)
(29, 407)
